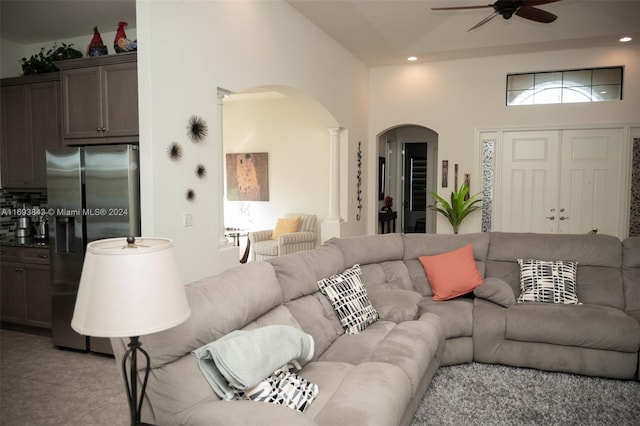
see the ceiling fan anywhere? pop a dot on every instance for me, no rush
(507, 8)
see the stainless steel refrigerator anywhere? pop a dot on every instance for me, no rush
(93, 193)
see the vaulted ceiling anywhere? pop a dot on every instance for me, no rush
(385, 32)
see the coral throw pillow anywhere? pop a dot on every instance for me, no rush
(452, 274)
(285, 226)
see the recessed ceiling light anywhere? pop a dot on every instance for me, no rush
(412, 58)
(625, 39)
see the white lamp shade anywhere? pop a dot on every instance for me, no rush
(129, 290)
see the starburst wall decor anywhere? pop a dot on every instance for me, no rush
(197, 129)
(201, 170)
(174, 151)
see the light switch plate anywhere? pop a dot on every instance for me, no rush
(187, 219)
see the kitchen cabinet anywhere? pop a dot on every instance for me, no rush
(31, 122)
(25, 286)
(100, 99)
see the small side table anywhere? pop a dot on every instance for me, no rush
(387, 221)
(235, 235)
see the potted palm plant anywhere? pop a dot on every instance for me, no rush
(460, 206)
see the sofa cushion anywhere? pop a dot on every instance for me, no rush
(587, 326)
(411, 345)
(279, 315)
(171, 400)
(298, 273)
(394, 304)
(369, 394)
(357, 348)
(548, 281)
(456, 315)
(316, 317)
(242, 413)
(453, 273)
(349, 298)
(388, 274)
(370, 248)
(497, 291)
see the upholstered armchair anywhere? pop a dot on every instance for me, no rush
(280, 240)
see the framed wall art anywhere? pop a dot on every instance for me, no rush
(248, 176)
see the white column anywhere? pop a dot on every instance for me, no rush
(222, 240)
(334, 172)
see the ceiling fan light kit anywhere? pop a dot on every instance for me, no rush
(507, 8)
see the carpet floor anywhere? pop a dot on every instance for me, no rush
(486, 394)
(42, 385)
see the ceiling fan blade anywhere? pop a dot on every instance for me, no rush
(484, 21)
(535, 14)
(462, 7)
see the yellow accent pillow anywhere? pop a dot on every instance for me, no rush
(285, 226)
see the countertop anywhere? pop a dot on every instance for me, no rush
(28, 242)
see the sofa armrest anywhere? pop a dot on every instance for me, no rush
(297, 237)
(395, 305)
(497, 291)
(257, 236)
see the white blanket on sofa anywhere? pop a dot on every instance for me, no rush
(242, 359)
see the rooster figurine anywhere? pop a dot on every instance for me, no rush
(122, 43)
(96, 47)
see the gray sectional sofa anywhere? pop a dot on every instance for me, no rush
(379, 376)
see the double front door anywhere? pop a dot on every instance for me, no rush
(560, 181)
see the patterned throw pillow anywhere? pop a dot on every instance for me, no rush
(349, 299)
(548, 281)
(283, 387)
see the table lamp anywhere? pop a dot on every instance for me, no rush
(129, 288)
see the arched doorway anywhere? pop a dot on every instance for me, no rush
(288, 130)
(408, 174)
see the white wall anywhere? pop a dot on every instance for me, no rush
(298, 148)
(188, 49)
(457, 98)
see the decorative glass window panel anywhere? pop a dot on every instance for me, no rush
(571, 86)
(488, 153)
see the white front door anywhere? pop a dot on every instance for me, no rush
(590, 181)
(527, 192)
(560, 181)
